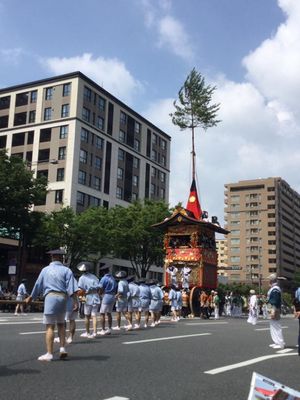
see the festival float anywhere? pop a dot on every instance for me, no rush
(191, 259)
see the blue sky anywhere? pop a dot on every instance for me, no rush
(142, 51)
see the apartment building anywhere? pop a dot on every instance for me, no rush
(263, 217)
(93, 148)
(221, 247)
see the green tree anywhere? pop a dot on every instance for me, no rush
(133, 236)
(19, 191)
(193, 108)
(84, 236)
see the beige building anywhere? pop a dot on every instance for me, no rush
(263, 217)
(93, 148)
(221, 247)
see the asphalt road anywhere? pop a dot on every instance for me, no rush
(191, 359)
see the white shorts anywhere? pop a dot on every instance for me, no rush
(71, 315)
(91, 310)
(52, 319)
(107, 308)
(121, 307)
(144, 309)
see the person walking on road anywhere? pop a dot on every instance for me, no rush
(274, 299)
(21, 295)
(55, 282)
(108, 290)
(89, 283)
(253, 308)
(145, 298)
(297, 313)
(122, 300)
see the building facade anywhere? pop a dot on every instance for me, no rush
(221, 247)
(93, 148)
(263, 217)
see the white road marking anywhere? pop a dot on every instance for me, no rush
(245, 363)
(284, 351)
(205, 323)
(3, 320)
(166, 338)
(267, 329)
(118, 398)
(20, 323)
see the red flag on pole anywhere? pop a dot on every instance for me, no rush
(193, 203)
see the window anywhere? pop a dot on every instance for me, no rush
(163, 160)
(63, 132)
(20, 119)
(101, 103)
(136, 145)
(66, 89)
(33, 96)
(134, 196)
(44, 155)
(84, 135)
(80, 198)
(162, 177)
(3, 141)
(153, 172)
(94, 201)
(49, 93)
(4, 102)
(152, 189)
(162, 193)
(121, 155)
(98, 162)
(60, 174)
(120, 173)
(123, 118)
(4, 121)
(47, 114)
(87, 94)
(235, 259)
(21, 99)
(86, 114)
(32, 114)
(30, 137)
(163, 144)
(154, 139)
(29, 156)
(18, 139)
(153, 155)
(82, 177)
(65, 110)
(135, 180)
(99, 142)
(137, 127)
(45, 135)
(122, 136)
(100, 123)
(97, 183)
(136, 162)
(119, 192)
(62, 151)
(83, 156)
(59, 196)
(235, 241)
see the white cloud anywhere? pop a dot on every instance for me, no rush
(259, 135)
(274, 66)
(11, 56)
(171, 33)
(111, 74)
